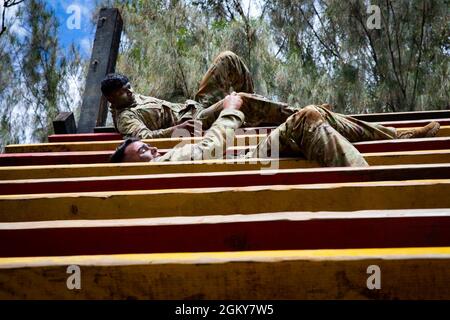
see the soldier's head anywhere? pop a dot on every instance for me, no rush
(117, 90)
(134, 150)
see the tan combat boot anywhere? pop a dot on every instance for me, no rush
(430, 130)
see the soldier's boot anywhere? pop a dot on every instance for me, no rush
(430, 130)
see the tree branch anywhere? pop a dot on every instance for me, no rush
(317, 36)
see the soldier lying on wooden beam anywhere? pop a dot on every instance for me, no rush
(313, 132)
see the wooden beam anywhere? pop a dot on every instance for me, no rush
(84, 137)
(64, 123)
(385, 195)
(406, 273)
(161, 143)
(103, 61)
(139, 168)
(270, 231)
(75, 157)
(102, 129)
(403, 116)
(225, 179)
(414, 123)
(108, 136)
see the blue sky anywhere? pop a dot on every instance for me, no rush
(82, 37)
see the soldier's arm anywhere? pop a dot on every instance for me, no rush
(129, 124)
(214, 143)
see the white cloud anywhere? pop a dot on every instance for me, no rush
(12, 22)
(86, 46)
(251, 7)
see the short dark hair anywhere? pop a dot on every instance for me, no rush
(113, 82)
(119, 154)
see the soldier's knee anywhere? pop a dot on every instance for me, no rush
(224, 55)
(227, 53)
(308, 115)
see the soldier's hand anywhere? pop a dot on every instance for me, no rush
(190, 125)
(232, 101)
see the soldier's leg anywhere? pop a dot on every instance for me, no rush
(257, 109)
(309, 133)
(356, 130)
(227, 73)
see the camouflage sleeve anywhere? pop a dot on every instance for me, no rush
(129, 125)
(214, 143)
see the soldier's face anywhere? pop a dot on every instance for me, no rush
(140, 152)
(121, 98)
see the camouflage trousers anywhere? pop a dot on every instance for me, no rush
(323, 136)
(313, 131)
(229, 73)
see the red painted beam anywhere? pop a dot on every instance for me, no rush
(256, 232)
(116, 136)
(226, 179)
(84, 137)
(48, 158)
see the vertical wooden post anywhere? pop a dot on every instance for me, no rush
(103, 61)
(64, 123)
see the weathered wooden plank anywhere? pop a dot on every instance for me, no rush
(269, 231)
(162, 143)
(225, 179)
(414, 123)
(403, 116)
(103, 61)
(406, 273)
(108, 136)
(74, 157)
(110, 169)
(84, 137)
(386, 195)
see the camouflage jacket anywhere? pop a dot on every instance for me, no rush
(150, 117)
(213, 145)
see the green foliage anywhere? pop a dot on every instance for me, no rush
(34, 83)
(301, 51)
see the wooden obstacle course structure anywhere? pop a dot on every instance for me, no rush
(280, 228)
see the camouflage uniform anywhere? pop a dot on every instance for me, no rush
(213, 144)
(324, 136)
(314, 132)
(150, 118)
(318, 133)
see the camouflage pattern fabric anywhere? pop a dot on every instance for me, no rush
(150, 117)
(321, 135)
(313, 131)
(213, 144)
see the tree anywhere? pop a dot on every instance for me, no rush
(36, 78)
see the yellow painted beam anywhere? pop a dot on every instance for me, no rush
(405, 273)
(163, 143)
(108, 169)
(384, 195)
